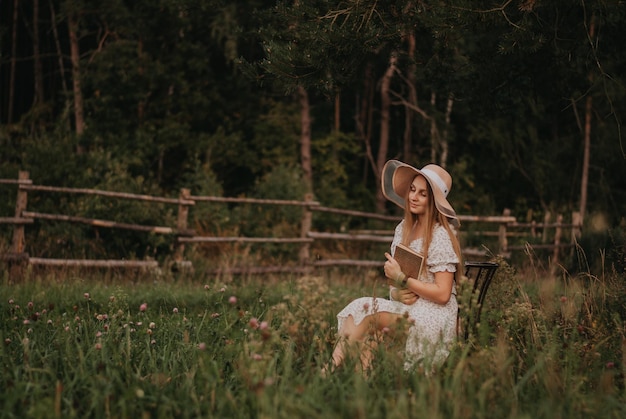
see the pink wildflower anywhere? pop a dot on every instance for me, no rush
(86, 295)
(232, 300)
(202, 346)
(254, 323)
(263, 325)
(175, 310)
(143, 307)
(30, 305)
(563, 299)
(98, 346)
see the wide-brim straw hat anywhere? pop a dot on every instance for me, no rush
(397, 177)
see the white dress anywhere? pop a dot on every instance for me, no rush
(433, 327)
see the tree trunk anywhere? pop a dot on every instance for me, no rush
(13, 64)
(305, 138)
(57, 44)
(443, 161)
(409, 113)
(434, 138)
(337, 125)
(587, 138)
(38, 71)
(79, 121)
(586, 154)
(384, 129)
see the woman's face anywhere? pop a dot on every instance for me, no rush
(418, 196)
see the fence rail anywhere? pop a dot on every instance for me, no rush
(507, 227)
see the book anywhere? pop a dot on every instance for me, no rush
(409, 260)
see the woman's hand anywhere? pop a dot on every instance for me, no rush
(392, 268)
(406, 296)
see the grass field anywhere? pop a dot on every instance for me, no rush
(94, 345)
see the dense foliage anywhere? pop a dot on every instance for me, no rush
(201, 94)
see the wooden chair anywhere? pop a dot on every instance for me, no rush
(479, 275)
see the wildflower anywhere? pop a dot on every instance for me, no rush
(30, 305)
(257, 357)
(386, 330)
(106, 327)
(49, 321)
(153, 342)
(7, 341)
(610, 365)
(98, 334)
(86, 295)
(175, 310)
(202, 346)
(139, 324)
(206, 286)
(112, 298)
(214, 315)
(67, 328)
(143, 307)
(11, 301)
(232, 300)
(254, 323)
(99, 317)
(152, 325)
(563, 299)
(29, 331)
(98, 346)
(263, 325)
(26, 321)
(149, 331)
(222, 289)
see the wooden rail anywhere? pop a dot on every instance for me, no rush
(507, 227)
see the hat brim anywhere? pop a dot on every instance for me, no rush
(396, 179)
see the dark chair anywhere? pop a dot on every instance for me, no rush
(479, 275)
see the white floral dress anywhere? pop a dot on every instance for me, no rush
(433, 326)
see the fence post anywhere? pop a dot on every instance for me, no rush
(546, 220)
(20, 206)
(307, 220)
(502, 240)
(557, 238)
(577, 224)
(181, 224)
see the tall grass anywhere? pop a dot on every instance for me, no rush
(89, 345)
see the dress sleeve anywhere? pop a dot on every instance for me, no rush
(441, 254)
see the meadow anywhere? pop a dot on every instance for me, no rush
(121, 345)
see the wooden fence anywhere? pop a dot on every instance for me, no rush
(503, 228)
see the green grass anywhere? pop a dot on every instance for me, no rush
(80, 345)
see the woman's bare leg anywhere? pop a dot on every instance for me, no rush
(351, 333)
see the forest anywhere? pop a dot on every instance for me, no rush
(521, 100)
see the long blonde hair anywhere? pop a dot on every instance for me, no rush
(432, 217)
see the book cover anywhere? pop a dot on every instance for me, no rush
(409, 260)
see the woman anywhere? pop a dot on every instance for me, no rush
(430, 302)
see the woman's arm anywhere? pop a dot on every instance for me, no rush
(438, 291)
